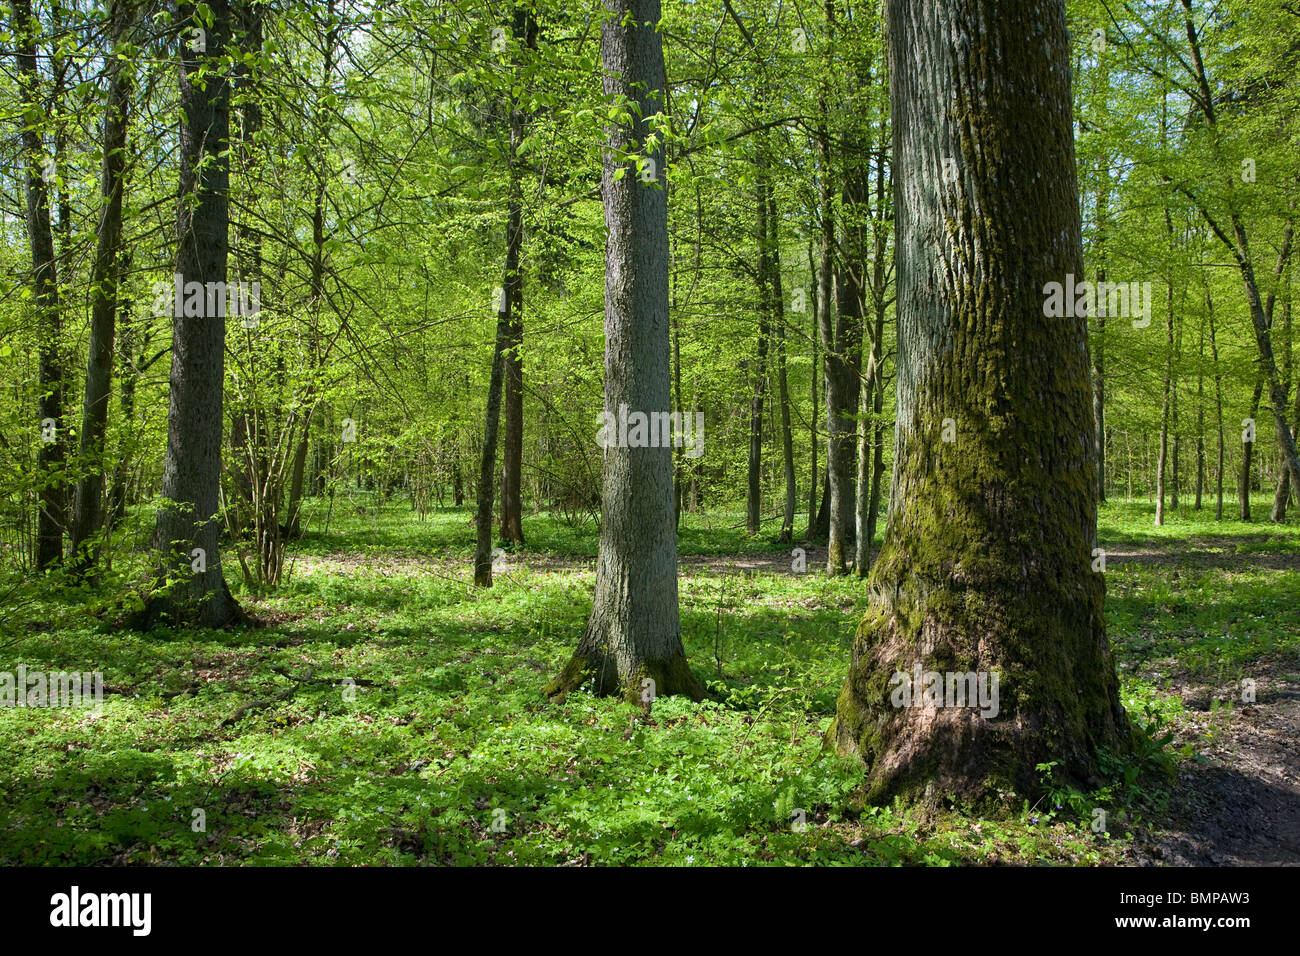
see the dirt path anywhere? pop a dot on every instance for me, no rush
(1239, 805)
(1242, 807)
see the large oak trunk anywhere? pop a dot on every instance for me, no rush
(986, 561)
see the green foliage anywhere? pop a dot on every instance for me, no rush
(448, 725)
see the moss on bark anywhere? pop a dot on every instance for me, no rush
(592, 663)
(986, 562)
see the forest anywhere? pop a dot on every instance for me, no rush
(687, 433)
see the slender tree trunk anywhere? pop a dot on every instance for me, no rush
(89, 511)
(782, 384)
(128, 372)
(838, 499)
(876, 375)
(813, 528)
(1261, 314)
(985, 567)
(1283, 493)
(188, 529)
(524, 27)
(632, 644)
(1099, 343)
(754, 482)
(1175, 434)
(1218, 405)
(679, 457)
(1099, 393)
(1200, 416)
(52, 455)
(488, 454)
(1163, 457)
(1247, 453)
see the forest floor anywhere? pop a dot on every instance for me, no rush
(1238, 803)
(383, 711)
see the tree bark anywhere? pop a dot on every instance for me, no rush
(754, 474)
(1283, 493)
(1218, 405)
(814, 441)
(89, 510)
(488, 457)
(1200, 416)
(186, 538)
(841, 333)
(986, 561)
(52, 455)
(1163, 456)
(1247, 456)
(875, 368)
(524, 29)
(782, 383)
(632, 644)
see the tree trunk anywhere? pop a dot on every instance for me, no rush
(632, 644)
(524, 28)
(1099, 393)
(1283, 493)
(1261, 314)
(52, 455)
(1163, 457)
(813, 531)
(186, 537)
(1200, 416)
(1218, 405)
(782, 384)
(119, 496)
(837, 500)
(1099, 350)
(488, 455)
(754, 476)
(986, 562)
(89, 510)
(876, 374)
(1247, 453)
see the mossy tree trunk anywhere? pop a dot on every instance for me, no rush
(986, 560)
(634, 632)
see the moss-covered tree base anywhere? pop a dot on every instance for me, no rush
(630, 681)
(1054, 701)
(218, 610)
